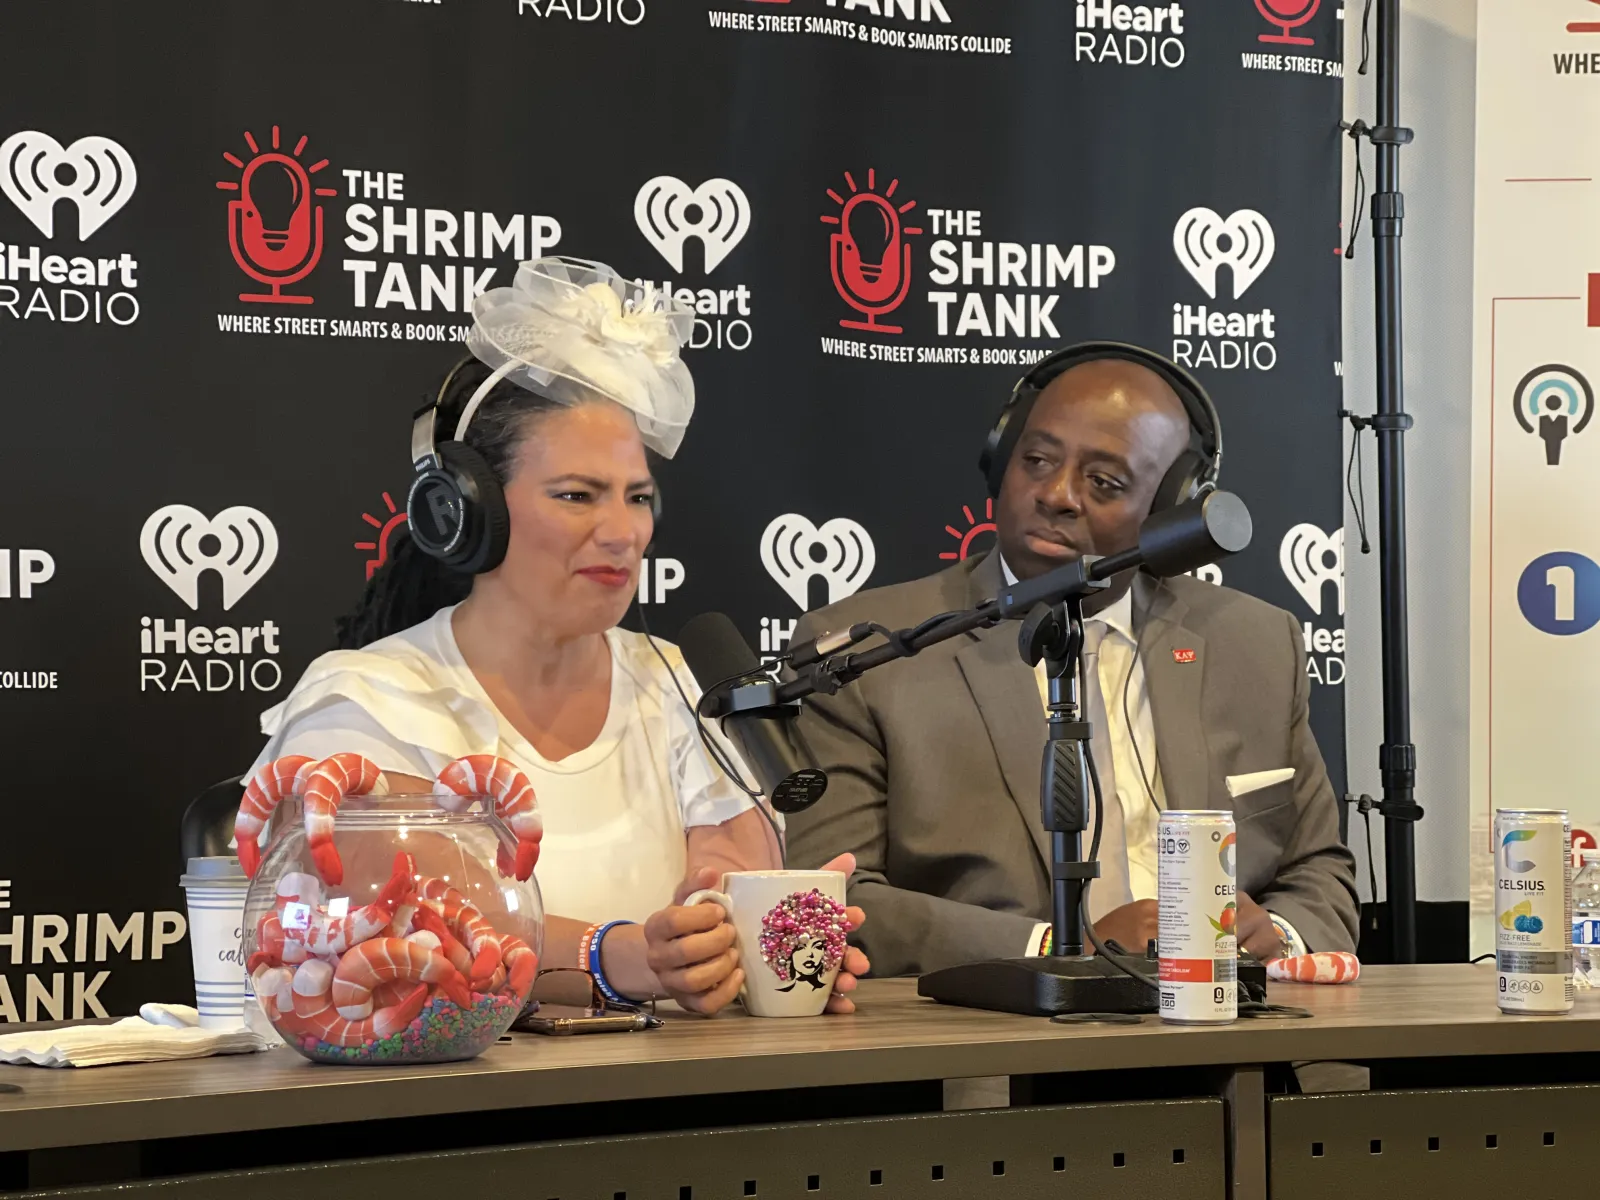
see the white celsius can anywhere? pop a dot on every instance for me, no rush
(1533, 909)
(1195, 865)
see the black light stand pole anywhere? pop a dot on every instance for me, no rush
(1397, 757)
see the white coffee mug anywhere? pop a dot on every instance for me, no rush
(789, 929)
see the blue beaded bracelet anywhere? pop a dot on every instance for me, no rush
(610, 993)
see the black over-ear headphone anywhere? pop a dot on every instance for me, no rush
(1190, 477)
(456, 508)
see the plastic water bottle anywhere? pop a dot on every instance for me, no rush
(1586, 921)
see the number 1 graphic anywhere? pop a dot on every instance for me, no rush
(1564, 582)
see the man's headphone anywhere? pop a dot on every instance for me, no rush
(1192, 476)
(456, 508)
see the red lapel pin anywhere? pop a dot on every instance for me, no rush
(1183, 656)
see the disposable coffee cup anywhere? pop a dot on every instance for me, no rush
(216, 889)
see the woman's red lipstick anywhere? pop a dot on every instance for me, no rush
(614, 577)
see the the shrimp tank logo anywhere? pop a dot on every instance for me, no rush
(1518, 866)
(386, 524)
(275, 225)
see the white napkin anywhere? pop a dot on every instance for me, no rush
(160, 1032)
(1243, 785)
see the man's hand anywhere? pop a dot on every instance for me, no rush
(855, 962)
(690, 949)
(1255, 931)
(1132, 926)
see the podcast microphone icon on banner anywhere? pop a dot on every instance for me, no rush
(1287, 15)
(275, 227)
(870, 256)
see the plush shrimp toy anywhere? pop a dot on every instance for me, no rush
(1325, 966)
(486, 775)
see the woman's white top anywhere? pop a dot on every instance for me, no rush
(614, 812)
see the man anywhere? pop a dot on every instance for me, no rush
(934, 761)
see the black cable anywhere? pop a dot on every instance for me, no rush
(1094, 775)
(1480, 958)
(1114, 959)
(1361, 193)
(1353, 468)
(1366, 42)
(1372, 868)
(1133, 734)
(715, 750)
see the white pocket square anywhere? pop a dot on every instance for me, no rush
(1243, 785)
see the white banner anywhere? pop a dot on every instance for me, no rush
(1535, 705)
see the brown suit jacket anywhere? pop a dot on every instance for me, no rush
(934, 762)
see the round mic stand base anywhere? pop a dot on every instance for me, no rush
(1043, 987)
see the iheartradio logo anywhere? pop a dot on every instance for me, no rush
(669, 212)
(1287, 15)
(1311, 558)
(275, 226)
(1205, 241)
(95, 173)
(794, 552)
(870, 254)
(180, 544)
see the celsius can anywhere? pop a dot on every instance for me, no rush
(1533, 909)
(1195, 864)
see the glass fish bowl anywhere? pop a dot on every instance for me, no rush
(414, 943)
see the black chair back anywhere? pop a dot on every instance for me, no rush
(207, 825)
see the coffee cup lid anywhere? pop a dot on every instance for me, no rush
(218, 871)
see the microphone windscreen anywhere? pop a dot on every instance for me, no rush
(1195, 534)
(714, 650)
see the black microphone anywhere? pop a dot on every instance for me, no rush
(1171, 542)
(1194, 534)
(721, 662)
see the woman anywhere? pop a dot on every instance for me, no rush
(525, 660)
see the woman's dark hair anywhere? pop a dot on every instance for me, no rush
(411, 586)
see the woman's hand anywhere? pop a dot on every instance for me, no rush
(855, 962)
(690, 949)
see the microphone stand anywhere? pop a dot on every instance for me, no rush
(1066, 980)
(1056, 635)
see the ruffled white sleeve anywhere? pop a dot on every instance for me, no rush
(401, 713)
(706, 796)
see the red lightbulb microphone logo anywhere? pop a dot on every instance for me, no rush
(870, 256)
(1287, 15)
(275, 226)
(966, 538)
(385, 528)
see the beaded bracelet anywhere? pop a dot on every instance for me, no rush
(610, 993)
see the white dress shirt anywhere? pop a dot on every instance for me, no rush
(1132, 733)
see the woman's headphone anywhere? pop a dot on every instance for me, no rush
(456, 507)
(1192, 476)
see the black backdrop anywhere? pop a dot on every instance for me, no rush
(558, 113)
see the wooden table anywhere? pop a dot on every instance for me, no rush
(806, 1108)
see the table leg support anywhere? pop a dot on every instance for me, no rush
(1245, 1100)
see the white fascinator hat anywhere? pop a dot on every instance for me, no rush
(570, 329)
